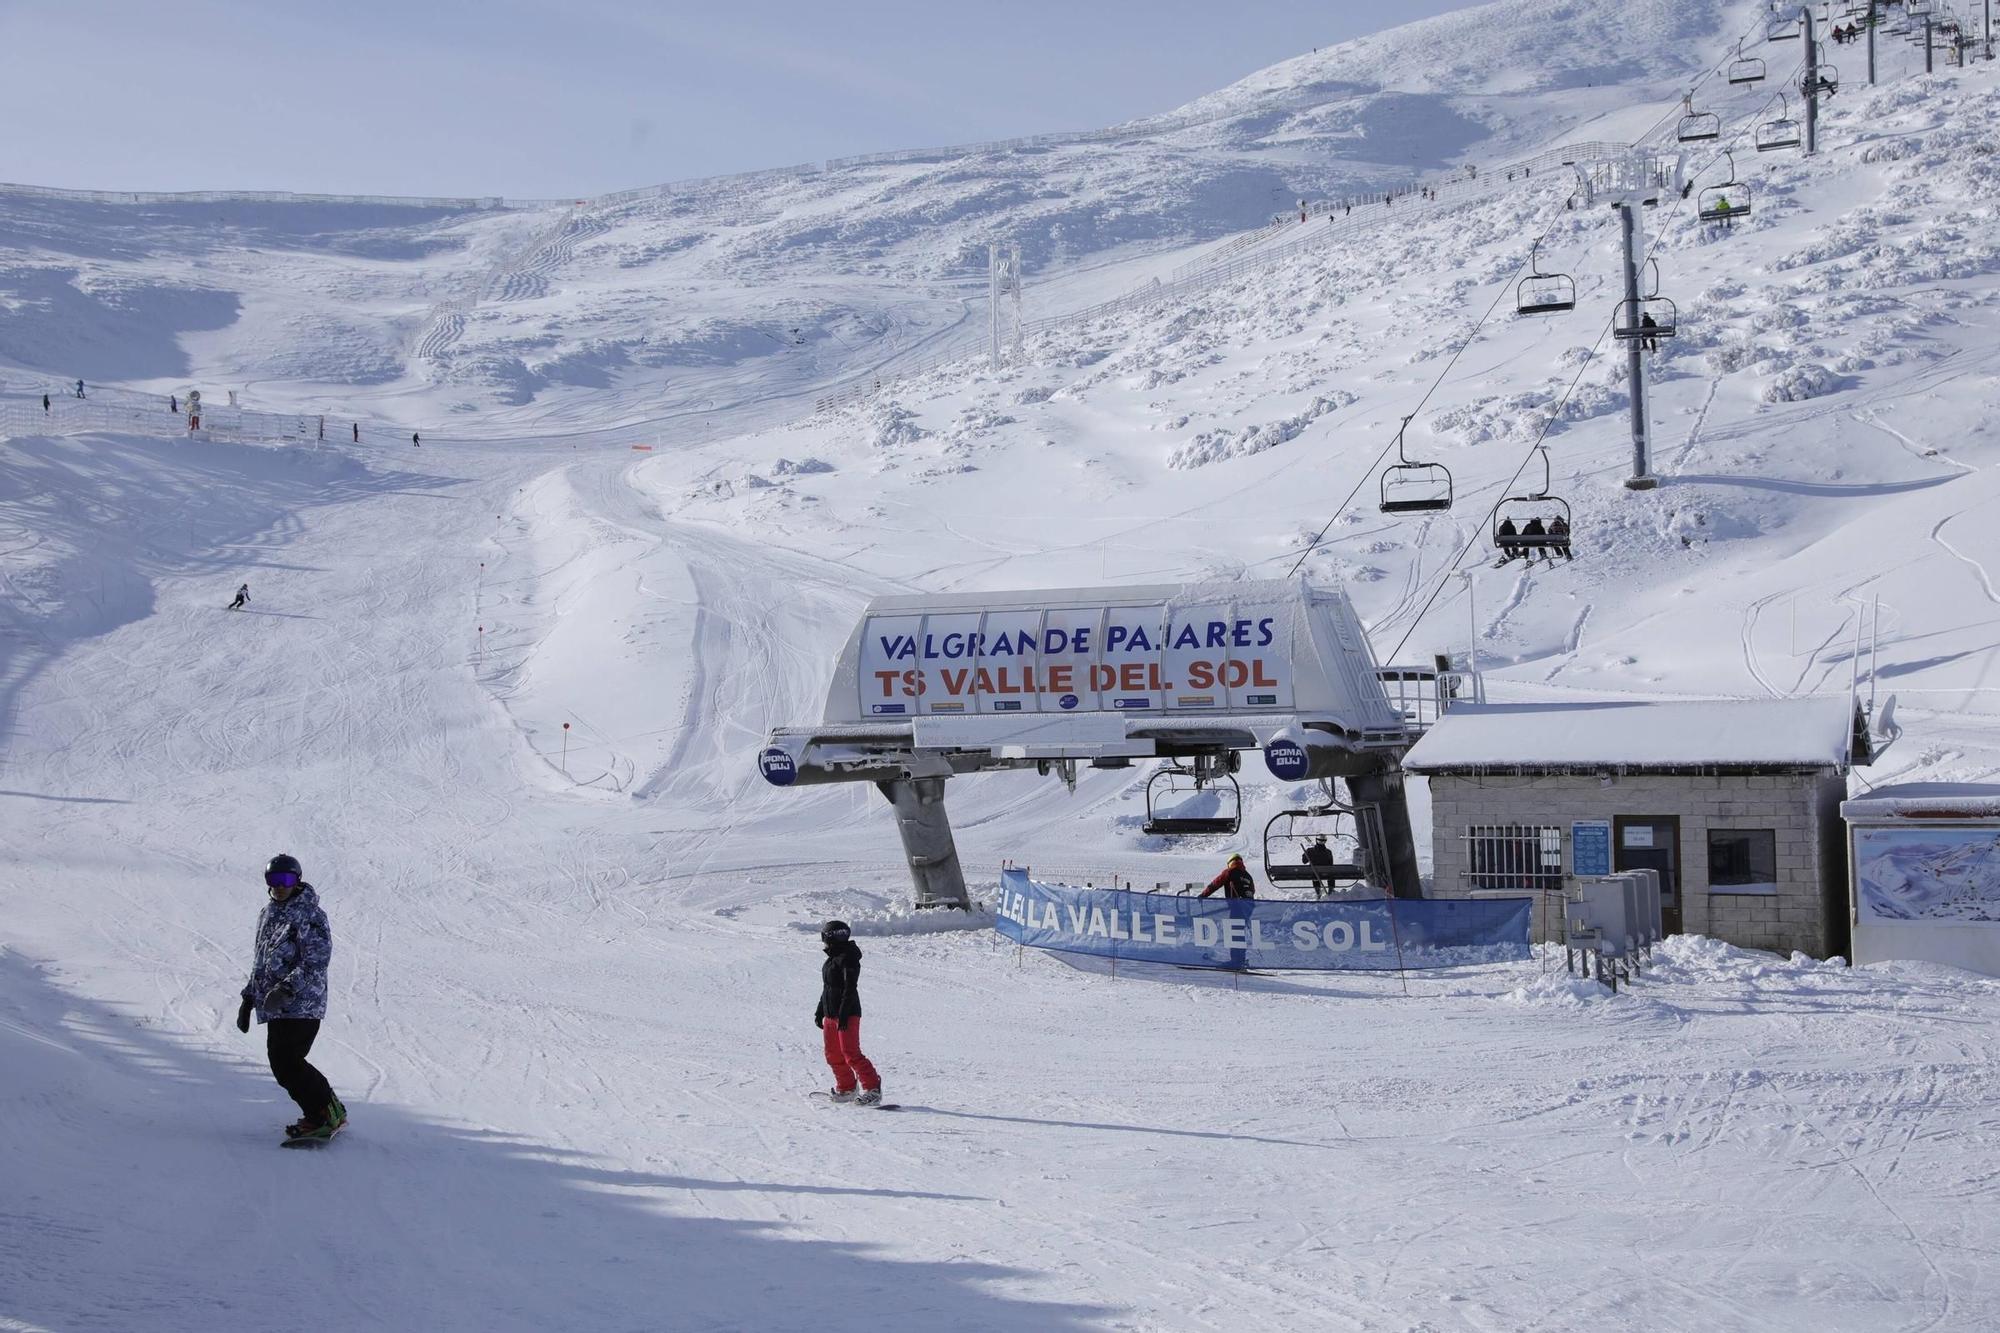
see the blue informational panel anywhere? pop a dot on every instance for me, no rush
(1381, 934)
(1590, 847)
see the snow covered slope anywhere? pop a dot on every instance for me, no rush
(640, 304)
(571, 961)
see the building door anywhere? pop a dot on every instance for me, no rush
(1652, 842)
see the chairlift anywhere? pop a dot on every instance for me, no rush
(1745, 69)
(1534, 521)
(1185, 801)
(1825, 80)
(1542, 293)
(1783, 132)
(1292, 835)
(1727, 201)
(1647, 319)
(1697, 126)
(1414, 487)
(1781, 29)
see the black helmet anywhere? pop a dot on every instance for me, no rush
(835, 932)
(283, 872)
(285, 861)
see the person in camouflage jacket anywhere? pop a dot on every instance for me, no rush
(287, 992)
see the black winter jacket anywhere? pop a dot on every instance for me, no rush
(840, 984)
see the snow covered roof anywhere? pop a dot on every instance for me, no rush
(1926, 800)
(1691, 736)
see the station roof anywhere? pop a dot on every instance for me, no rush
(1639, 736)
(1926, 800)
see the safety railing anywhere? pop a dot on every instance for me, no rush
(124, 412)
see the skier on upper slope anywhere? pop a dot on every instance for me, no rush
(242, 597)
(838, 1017)
(287, 991)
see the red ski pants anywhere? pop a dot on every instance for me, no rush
(843, 1055)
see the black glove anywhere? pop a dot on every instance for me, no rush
(819, 1019)
(243, 1015)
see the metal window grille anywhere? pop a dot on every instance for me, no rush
(1514, 856)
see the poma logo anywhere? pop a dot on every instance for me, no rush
(780, 769)
(1068, 701)
(1287, 759)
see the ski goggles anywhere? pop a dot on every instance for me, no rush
(281, 879)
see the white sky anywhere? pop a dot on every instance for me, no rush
(539, 99)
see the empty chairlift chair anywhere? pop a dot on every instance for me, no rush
(1725, 202)
(1411, 486)
(1543, 293)
(1780, 28)
(1784, 132)
(1184, 801)
(1744, 69)
(1697, 126)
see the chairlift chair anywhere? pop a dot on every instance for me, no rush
(1826, 80)
(1746, 70)
(1650, 317)
(1543, 510)
(1781, 29)
(1727, 201)
(1176, 786)
(1698, 126)
(1289, 834)
(1414, 487)
(1542, 293)
(1783, 132)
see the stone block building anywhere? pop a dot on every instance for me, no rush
(1735, 802)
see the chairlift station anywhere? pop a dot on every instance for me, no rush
(929, 688)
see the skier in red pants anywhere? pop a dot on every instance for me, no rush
(838, 1017)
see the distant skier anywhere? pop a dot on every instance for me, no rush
(173, 405)
(287, 991)
(357, 432)
(1235, 881)
(242, 598)
(414, 440)
(45, 404)
(838, 1017)
(79, 388)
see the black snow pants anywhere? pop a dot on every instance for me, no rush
(288, 1040)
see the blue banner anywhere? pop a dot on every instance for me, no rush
(1369, 935)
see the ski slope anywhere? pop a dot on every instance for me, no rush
(570, 966)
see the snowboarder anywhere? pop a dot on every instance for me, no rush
(287, 992)
(242, 598)
(1317, 853)
(1235, 881)
(838, 1017)
(416, 442)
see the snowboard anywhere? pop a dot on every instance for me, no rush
(311, 1141)
(827, 1100)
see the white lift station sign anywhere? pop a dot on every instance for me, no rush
(1078, 659)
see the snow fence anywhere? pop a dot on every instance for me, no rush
(1369, 935)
